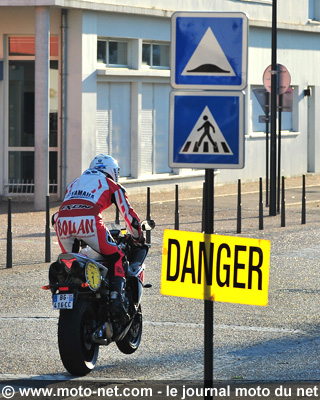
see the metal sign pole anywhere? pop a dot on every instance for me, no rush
(273, 144)
(208, 305)
(267, 115)
(203, 95)
(279, 150)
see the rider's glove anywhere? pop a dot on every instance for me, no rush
(140, 240)
(54, 218)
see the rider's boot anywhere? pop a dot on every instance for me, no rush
(117, 307)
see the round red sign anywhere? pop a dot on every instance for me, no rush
(284, 78)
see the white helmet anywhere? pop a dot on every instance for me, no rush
(106, 164)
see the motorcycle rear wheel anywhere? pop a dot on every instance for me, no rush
(130, 343)
(78, 354)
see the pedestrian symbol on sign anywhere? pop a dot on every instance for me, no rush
(206, 137)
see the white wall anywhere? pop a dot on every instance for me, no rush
(133, 26)
(289, 11)
(298, 50)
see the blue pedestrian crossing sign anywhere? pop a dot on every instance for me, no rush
(209, 50)
(206, 129)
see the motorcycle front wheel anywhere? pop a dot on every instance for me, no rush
(130, 343)
(78, 353)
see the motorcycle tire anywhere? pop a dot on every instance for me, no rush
(78, 354)
(130, 343)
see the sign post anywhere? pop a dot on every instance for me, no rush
(209, 52)
(282, 85)
(208, 304)
(273, 141)
(263, 98)
(214, 268)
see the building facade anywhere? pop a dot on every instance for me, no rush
(78, 78)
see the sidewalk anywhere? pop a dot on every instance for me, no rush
(28, 226)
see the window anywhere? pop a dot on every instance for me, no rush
(314, 10)
(112, 53)
(155, 55)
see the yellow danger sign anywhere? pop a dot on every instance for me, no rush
(218, 268)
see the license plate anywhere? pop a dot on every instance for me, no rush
(62, 301)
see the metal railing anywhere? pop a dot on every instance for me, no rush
(26, 186)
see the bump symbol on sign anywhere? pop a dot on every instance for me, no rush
(206, 137)
(208, 58)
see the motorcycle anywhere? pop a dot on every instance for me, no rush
(79, 283)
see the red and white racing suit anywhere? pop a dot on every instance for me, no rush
(79, 216)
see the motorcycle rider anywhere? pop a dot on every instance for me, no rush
(79, 217)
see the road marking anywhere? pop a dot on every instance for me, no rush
(225, 326)
(6, 318)
(61, 377)
(236, 194)
(177, 324)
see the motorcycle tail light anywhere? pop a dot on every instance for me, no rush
(63, 288)
(68, 263)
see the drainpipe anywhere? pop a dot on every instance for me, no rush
(63, 120)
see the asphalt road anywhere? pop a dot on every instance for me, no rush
(277, 343)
